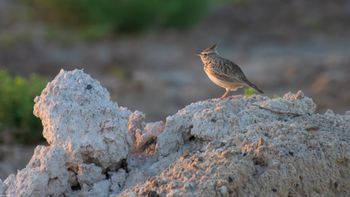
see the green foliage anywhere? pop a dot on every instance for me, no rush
(103, 16)
(249, 92)
(241, 2)
(16, 107)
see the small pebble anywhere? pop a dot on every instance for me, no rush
(88, 87)
(223, 190)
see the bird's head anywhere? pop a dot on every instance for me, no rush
(208, 52)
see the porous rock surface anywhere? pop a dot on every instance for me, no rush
(238, 146)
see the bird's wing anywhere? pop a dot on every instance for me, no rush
(235, 72)
(229, 71)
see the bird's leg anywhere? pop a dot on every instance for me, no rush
(225, 94)
(236, 96)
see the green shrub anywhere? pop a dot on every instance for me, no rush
(16, 107)
(120, 15)
(249, 92)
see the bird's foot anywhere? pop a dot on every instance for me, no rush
(236, 97)
(225, 95)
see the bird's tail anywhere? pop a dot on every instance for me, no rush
(254, 87)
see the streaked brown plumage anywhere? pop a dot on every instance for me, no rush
(224, 72)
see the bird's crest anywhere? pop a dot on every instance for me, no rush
(211, 49)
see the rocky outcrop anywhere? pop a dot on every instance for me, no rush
(238, 146)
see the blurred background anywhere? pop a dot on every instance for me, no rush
(144, 52)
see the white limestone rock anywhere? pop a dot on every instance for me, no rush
(99, 189)
(238, 146)
(86, 133)
(294, 104)
(10, 183)
(207, 120)
(141, 133)
(89, 174)
(118, 180)
(78, 115)
(134, 177)
(44, 175)
(216, 122)
(275, 147)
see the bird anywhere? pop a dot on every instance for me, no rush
(224, 72)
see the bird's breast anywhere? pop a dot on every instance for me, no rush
(222, 83)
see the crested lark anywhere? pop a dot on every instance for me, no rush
(223, 72)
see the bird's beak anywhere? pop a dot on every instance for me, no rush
(198, 54)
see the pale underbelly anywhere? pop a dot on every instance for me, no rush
(225, 84)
